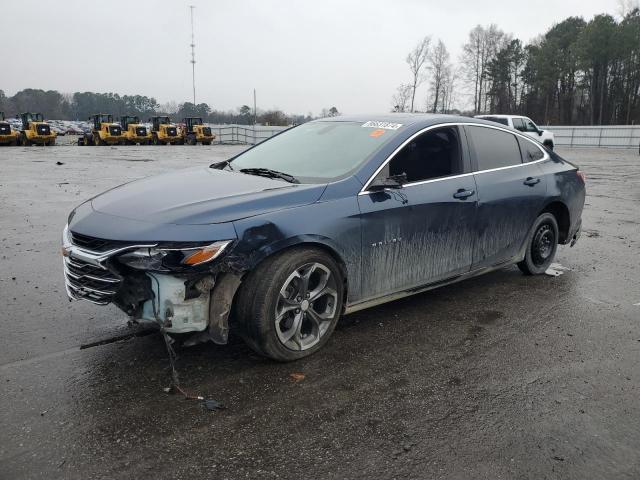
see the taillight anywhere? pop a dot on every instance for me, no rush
(581, 176)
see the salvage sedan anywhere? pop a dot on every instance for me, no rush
(322, 220)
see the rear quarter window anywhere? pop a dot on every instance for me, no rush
(494, 148)
(530, 151)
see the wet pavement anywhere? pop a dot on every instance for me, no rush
(502, 376)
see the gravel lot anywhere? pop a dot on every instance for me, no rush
(502, 376)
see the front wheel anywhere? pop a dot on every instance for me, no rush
(289, 306)
(541, 245)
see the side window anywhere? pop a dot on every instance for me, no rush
(433, 154)
(530, 126)
(494, 148)
(518, 124)
(530, 151)
(501, 120)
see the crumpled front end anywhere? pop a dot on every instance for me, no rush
(170, 285)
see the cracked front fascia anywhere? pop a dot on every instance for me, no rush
(205, 315)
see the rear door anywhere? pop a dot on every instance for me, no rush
(511, 192)
(422, 232)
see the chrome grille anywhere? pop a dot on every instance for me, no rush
(95, 244)
(90, 282)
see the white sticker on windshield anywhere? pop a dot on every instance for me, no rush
(385, 125)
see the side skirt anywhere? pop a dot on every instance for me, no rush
(429, 286)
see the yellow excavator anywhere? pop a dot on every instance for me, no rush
(8, 136)
(103, 131)
(133, 132)
(194, 131)
(163, 132)
(35, 130)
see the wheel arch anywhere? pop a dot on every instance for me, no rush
(318, 242)
(561, 213)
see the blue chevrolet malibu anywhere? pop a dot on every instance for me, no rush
(324, 219)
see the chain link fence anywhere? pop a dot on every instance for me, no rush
(243, 135)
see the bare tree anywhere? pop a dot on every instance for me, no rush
(416, 61)
(480, 49)
(448, 89)
(440, 67)
(627, 6)
(402, 97)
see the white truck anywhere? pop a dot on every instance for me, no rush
(524, 125)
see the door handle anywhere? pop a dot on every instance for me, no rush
(531, 181)
(463, 194)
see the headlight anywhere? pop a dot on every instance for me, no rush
(66, 241)
(171, 258)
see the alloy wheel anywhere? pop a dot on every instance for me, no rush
(306, 306)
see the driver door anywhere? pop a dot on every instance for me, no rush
(422, 232)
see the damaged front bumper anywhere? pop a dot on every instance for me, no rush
(178, 302)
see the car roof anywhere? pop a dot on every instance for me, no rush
(500, 116)
(406, 119)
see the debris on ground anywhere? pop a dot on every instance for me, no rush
(59, 163)
(175, 388)
(296, 376)
(555, 270)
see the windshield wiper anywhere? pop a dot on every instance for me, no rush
(221, 165)
(267, 172)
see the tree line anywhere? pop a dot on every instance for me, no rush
(578, 73)
(81, 105)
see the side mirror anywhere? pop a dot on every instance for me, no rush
(540, 132)
(392, 182)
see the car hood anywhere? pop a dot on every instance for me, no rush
(199, 196)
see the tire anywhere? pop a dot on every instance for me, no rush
(275, 290)
(191, 140)
(542, 245)
(206, 143)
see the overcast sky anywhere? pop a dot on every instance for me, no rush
(300, 55)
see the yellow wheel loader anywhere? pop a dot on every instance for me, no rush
(163, 132)
(103, 131)
(133, 132)
(8, 136)
(35, 131)
(194, 132)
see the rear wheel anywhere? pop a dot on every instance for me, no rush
(289, 306)
(541, 245)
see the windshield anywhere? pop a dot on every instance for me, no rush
(316, 152)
